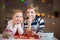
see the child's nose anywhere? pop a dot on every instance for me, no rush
(19, 19)
(30, 14)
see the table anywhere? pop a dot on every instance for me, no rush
(24, 39)
(54, 38)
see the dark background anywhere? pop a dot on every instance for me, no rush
(49, 7)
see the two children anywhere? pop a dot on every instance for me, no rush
(34, 23)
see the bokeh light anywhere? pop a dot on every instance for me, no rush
(43, 14)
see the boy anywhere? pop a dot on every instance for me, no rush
(33, 23)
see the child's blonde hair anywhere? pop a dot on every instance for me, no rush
(14, 11)
(33, 7)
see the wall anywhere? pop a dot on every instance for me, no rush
(49, 27)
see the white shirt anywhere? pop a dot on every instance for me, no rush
(14, 29)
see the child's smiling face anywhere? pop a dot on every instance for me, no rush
(18, 17)
(31, 13)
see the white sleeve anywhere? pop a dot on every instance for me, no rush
(20, 29)
(14, 29)
(9, 26)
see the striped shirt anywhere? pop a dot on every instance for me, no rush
(37, 25)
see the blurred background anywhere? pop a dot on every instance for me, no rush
(48, 9)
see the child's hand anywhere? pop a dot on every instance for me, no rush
(29, 25)
(28, 30)
(34, 33)
(29, 21)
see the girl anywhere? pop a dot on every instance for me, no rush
(15, 25)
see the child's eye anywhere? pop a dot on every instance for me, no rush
(32, 12)
(16, 16)
(20, 16)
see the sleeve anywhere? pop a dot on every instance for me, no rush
(8, 30)
(20, 29)
(41, 24)
(25, 24)
(14, 29)
(10, 27)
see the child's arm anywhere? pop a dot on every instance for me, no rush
(29, 26)
(41, 25)
(20, 29)
(7, 30)
(10, 30)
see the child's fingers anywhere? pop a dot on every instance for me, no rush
(29, 21)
